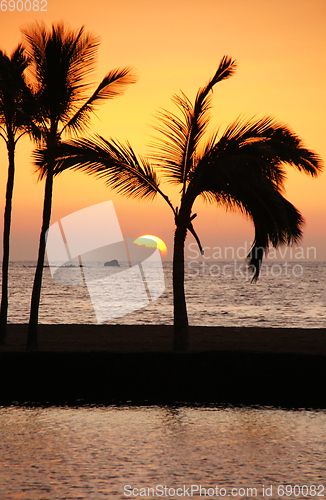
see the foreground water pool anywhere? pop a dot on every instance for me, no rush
(161, 452)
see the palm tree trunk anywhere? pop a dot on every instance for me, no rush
(32, 337)
(6, 238)
(181, 340)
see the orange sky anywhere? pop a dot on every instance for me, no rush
(280, 49)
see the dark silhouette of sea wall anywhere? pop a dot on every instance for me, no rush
(167, 378)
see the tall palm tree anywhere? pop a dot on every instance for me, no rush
(244, 168)
(15, 121)
(62, 60)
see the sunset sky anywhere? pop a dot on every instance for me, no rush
(175, 45)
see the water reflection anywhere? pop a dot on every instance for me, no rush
(92, 453)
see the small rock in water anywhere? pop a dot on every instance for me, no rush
(113, 262)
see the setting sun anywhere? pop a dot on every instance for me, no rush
(152, 241)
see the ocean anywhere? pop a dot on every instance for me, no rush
(291, 294)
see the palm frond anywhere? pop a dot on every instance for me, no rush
(249, 149)
(19, 59)
(226, 69)
(3, 133)
(113, 85)
(275, 141)
(170, 151)
(62, 59)
(177, 149)
(276, 222)
(244, 170)
(116, 164)
(17, 104)
(75, 51)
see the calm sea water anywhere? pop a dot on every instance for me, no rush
(104, 453)
(218, 294)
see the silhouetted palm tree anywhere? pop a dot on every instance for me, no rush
(244, 168)
(61, 62)
(15, 121)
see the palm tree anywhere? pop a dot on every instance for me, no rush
(15, 121)
(61, 62)
(244, 168)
